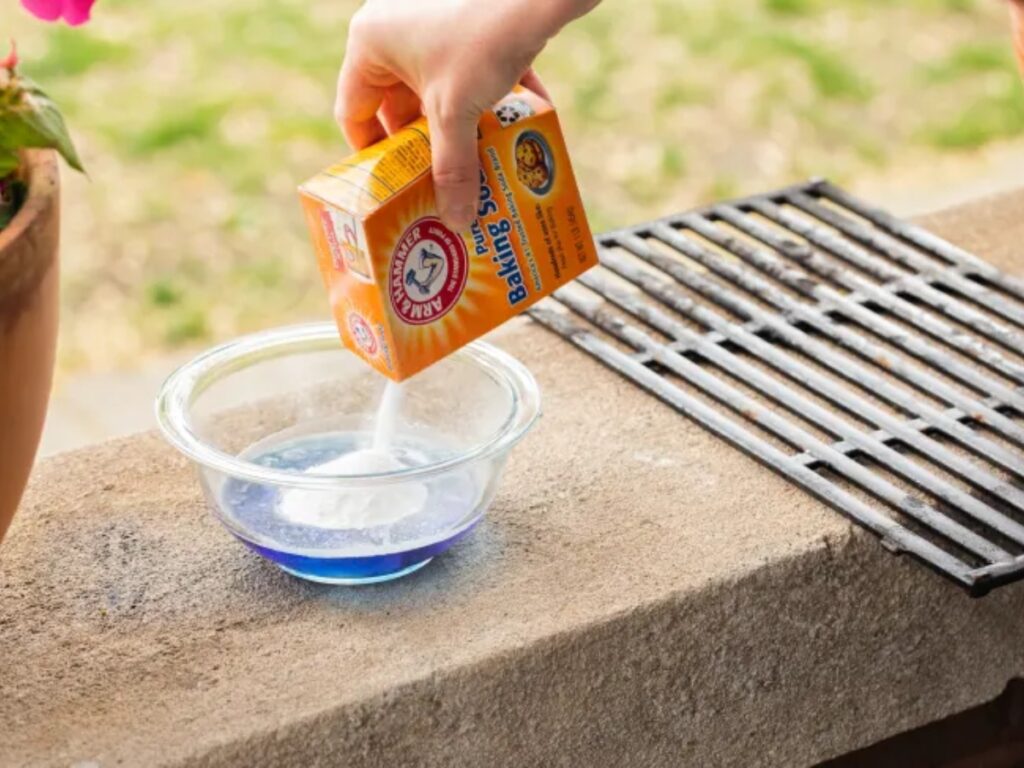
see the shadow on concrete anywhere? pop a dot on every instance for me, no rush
(987, 736)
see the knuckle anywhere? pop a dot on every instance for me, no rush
(454, 176)
(446, 109)
(340, 112)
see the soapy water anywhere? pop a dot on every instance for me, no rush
(354, 534)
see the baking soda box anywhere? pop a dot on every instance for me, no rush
(406, 290)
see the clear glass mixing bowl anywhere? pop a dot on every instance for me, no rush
(259, 415)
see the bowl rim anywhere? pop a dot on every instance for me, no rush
(190, 380)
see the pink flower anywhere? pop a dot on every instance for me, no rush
(74, 12)
(10, 62)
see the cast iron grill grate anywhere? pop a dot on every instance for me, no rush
(871, 362)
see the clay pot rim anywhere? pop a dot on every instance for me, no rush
(40, 165)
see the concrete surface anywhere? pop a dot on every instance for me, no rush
(640, 595)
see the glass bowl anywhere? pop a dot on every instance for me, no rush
(267, 417)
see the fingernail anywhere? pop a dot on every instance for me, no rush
(459, 217)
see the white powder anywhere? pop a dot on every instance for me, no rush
(359, 507)
(387, 417)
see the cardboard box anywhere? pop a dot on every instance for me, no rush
(405, 290)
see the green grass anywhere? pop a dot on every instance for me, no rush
(281, 33)
(592, 87)
(872, 151)
(676, 93)
(713, 31)
(73, 52)
(791, 7)
(832, 76)
(164, 293)
(673, 15)
(932, 7)
(261, 274)
(969, 60)
(316, 128)
(983, 120)
(957, 6)
(173, 126)
(187, 326)
(673, 161)
(722, 188)
(589, 97)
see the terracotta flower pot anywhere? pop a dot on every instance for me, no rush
(28, 325)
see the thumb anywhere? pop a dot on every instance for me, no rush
(456, 166)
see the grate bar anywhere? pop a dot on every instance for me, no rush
(815, 350)
(916, 263)
(897, 537)
(677, 346)
(752, 326)
(671, 297)
(893, 302)
(920, 237)
(911, 506)
(810, 411)
(899, 307)
(862, 343)
(999, 573)
(821, 323)
(922, 290)
(896, 336)
(918, 425)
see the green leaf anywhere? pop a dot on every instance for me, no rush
(31, 119)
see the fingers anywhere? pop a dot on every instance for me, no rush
(456, 166)
(400, 107)
(532, 81)
(356, 105)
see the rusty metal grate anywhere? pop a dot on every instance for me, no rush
(859, 356)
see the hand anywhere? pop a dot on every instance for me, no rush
(450, 60)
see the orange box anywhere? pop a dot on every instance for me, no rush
(404, 289)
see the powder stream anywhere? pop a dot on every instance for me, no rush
(360, 507)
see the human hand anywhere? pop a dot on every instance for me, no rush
(450, 60)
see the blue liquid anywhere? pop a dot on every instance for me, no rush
(350, 555)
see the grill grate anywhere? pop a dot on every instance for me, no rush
(859, 356)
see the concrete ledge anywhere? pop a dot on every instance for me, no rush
(640, 595)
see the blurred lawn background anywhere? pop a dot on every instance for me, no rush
(197, 119)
